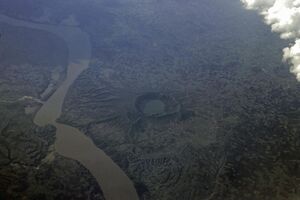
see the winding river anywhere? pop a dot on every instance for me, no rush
(70, 142)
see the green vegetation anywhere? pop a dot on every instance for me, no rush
(222, 79)
(231, 132)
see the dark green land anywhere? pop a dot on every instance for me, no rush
(230, 125)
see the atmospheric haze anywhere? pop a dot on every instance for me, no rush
(284, 17)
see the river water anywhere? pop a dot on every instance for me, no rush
(70, 142)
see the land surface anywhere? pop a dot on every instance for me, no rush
(225, 125)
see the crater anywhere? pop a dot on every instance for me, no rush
(156, 105)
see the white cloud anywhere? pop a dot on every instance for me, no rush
(284, 17)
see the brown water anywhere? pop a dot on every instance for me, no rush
(70, 142)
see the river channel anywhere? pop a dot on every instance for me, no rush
(70, 142)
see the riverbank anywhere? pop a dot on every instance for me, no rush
(70, 142)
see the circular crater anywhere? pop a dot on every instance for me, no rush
(156, 105)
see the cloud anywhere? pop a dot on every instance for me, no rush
(284, 18)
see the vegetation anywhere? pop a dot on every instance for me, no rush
(232, 130)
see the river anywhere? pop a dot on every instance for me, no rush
(70, 142)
